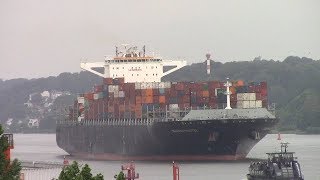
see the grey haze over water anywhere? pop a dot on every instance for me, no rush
(39, 38)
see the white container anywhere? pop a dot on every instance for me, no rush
(113, 88)
(252, 104)
(167, 84)
(240, 104)
(81, 100)
(258, 104)
(96, 96)
(137, 85)
(116, 88)
(110, 88)
(243, 104)
(246, 96)
(121, 94)
(173, 106)
(251, 96)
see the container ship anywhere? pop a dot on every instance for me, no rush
(132, 115)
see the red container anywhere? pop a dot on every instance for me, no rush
(264, 92)
(156, 99)
(179, 86)
(214, 84)
(98, 88)
(88, 96)
(156, 92)
(233, 104)
(263, 85)
(173, 92)
(184, 99)
(221, 84)
(138, 92)
(233, 97)
(212, 105)
(138, 100)
(107, 81)
(257, 88)
(184, 106)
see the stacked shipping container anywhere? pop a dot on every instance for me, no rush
(116, 99)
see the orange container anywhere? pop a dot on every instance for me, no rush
(232, 90)
(240, 83)
(162, 99)
(147, 99)
(149, 92)
(205, 93)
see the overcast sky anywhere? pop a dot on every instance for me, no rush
(39, 38)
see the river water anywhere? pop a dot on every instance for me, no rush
(42, 147)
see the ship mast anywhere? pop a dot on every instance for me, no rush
(228, 93)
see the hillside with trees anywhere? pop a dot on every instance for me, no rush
(293, 84)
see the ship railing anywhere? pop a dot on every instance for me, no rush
(117, 122)
(111, 122)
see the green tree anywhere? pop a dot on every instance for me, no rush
(8, 171)
(120, 176)
(73, 172)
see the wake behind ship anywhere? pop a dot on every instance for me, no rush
(135, 116)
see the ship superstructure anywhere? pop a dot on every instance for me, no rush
(138, 117)
(133, 66)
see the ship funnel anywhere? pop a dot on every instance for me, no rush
(228, 93)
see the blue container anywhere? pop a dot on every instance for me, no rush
(161, 91)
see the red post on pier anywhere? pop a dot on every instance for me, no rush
(7, 152)
(279, 137)
(131, 171)
(175, 171)
(65, 161)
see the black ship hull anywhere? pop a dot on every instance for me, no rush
(225, 139)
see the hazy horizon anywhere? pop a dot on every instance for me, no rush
(46, 38)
